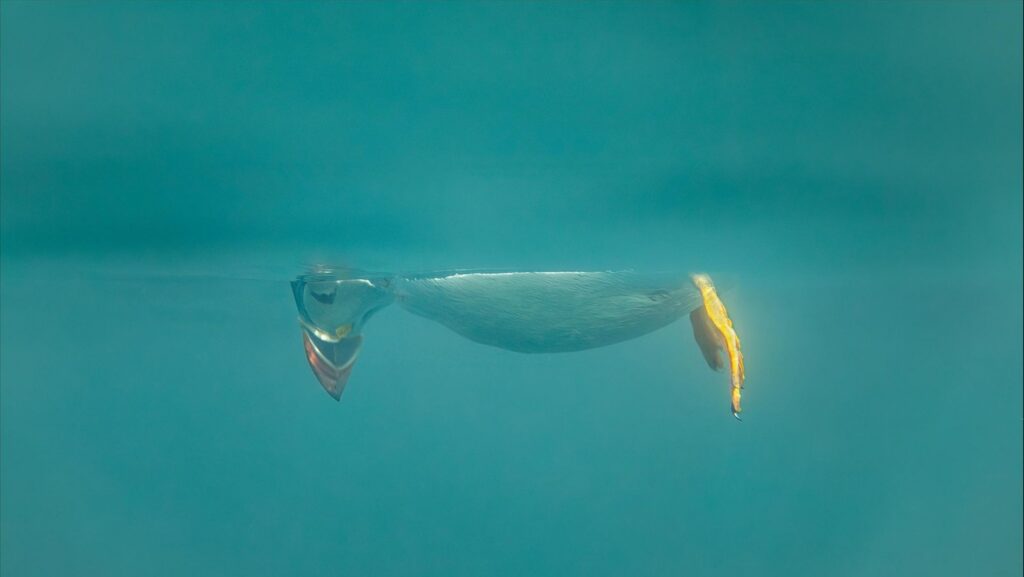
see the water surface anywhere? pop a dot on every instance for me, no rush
(853, 168)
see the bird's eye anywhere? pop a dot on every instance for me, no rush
(325, 298)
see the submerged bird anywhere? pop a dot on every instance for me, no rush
(527, 312)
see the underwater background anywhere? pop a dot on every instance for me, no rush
(852, 170)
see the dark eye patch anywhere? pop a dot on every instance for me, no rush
(325, 298)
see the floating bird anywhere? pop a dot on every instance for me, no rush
(526, 312)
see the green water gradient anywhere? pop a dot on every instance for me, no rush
(853, 169)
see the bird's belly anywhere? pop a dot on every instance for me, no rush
(547, 312)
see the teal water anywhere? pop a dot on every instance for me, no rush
(853, 169)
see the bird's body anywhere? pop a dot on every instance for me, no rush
(548, 312)
(527, 312)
